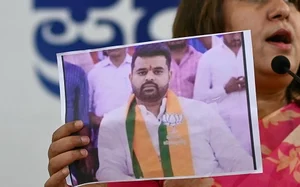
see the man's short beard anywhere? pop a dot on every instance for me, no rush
(160, 93)
(234, 44)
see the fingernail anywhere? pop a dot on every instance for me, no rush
(65, 171)
(78, 124)
(85, 139)
(83, 152)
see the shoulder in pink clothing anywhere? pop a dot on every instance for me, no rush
(280, 141)
(281, 164)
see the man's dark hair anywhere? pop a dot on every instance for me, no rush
(151, 50)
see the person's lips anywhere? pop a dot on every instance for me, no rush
(282, 39)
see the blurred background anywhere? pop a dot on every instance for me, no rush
(32, 32)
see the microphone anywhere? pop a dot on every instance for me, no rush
(281, 65)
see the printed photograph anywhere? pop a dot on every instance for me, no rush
(178, 108)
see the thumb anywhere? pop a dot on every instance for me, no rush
(58, 179)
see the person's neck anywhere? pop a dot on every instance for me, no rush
(235, 50)
(270, 102)
(178, 54)
(207, 42)
(153, 107)
(117, 60)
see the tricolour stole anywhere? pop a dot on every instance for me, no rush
(174, 142)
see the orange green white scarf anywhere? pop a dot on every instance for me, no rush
(174, 142)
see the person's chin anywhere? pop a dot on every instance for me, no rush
(151, 98)
(268, 78)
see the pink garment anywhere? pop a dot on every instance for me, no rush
(184, 74)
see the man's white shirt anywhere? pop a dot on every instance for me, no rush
(215, 69)
(214, 148)
(109, 86)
